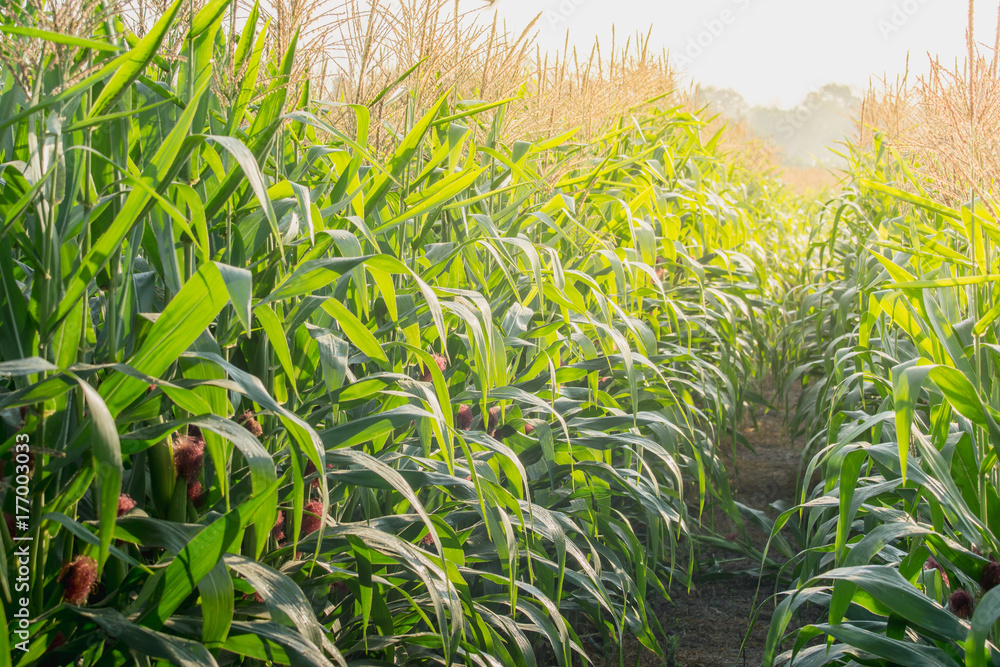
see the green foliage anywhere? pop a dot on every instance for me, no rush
(900, 530)
(302, 406)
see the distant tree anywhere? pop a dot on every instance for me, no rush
(723, 100)
(804, 132)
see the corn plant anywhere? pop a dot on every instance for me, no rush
(293, 404)
(900, 532)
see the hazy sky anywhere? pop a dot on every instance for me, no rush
(771, 51)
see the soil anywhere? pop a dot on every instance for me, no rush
(707, 625)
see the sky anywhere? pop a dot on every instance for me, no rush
(773, 52)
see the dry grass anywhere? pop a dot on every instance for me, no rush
(398, 56)
(451, 47)
(358, 51)
(591, 91)
(945, 121)
(367, 47)
(23, 56)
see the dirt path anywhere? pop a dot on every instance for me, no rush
(712, 621)
(708, 625)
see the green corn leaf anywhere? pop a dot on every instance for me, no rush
(184, 319)
(164, 592)
(355, 330)
(175, 650)
(401, 157)
(216, 598)
(108, 460)
(893, 650)
(287, 604)
(907, 383)
(889, 587)
(268, 641)
(136, 60)
(59, 38)
(983, 621)
(276, 336)
(165, 161)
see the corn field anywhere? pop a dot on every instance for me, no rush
(288, 378)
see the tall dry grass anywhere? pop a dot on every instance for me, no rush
(592, 90)
(397, 57)
(457, 46)
(945, 121)
(442, 41)
(23, 54)
(452, 45)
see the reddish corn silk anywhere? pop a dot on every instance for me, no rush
(961, 604)
(125, 504)
(78, 579)
(196, 493)
(989, 578)
(528, 429)
(932, 564)
(312, 517)
(464, 418)
(278, 532)
(31, 466)
(248, 420)
(189, 456)
(311, 469)
(58, 640)
(441, 363)
(339, 589)
(494, 420)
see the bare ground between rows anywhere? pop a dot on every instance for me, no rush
(706, 627)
